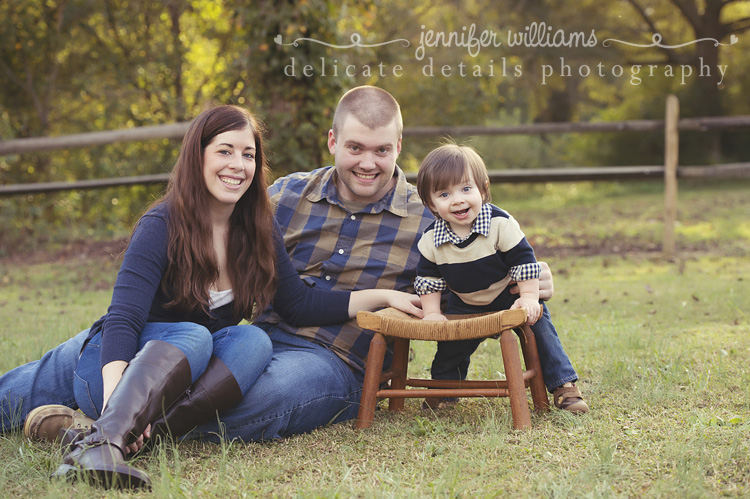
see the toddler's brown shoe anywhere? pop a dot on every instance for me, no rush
(569, 398)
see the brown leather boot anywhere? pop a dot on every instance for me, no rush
(216, 390)
(154, 379)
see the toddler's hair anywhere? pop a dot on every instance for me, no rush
(448, 165)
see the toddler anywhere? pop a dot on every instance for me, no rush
(477, 251)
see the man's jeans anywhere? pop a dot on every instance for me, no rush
(48, 380)
(305, 386)
(556, 367)
(452, 358)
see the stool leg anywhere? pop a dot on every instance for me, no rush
(373, 369)
(531, 358)
(400, 367)
(519, 407)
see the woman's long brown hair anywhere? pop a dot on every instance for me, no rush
(251, 256)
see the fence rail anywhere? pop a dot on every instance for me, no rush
(685, 125)
(671, 126)
(537, 175)
(177, 131)
(91, 139)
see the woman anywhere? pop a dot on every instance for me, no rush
(204, 257)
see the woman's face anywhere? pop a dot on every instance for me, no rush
(229, 165)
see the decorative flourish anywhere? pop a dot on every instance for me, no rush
(356, 39)
(656, 39)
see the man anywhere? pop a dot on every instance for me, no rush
(351, 226)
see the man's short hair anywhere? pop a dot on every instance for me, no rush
(372, 106)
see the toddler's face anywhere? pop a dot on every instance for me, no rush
(459, 205)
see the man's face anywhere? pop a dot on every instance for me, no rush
(365, 159)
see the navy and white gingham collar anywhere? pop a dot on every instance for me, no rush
(444, 234)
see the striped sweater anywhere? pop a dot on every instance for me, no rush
(479, 268)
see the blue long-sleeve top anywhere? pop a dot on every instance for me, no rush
(138, 296)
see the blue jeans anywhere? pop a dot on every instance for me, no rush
(48, 380)
(305, 386)
(452, 358)
(556, 367)
(245, 349)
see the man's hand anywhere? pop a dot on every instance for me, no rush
(546, 285)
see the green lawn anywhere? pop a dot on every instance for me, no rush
(662, 349)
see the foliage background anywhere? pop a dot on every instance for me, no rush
(70, 66)
(661, 346)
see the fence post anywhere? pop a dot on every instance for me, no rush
(671, 158)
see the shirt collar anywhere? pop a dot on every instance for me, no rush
(395, 201)
(443, 233)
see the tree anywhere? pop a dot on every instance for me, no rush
(275, 42)
(707, 20)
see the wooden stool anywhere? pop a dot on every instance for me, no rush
(403, 328)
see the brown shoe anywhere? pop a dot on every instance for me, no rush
(569, 398)
(433, 403)
(45, 422)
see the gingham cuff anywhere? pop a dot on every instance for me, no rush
(525, 272)
(427, 285)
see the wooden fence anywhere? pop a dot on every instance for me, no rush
(671, 126)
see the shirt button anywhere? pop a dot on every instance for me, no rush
(328, 278)
(341, 252)
(353, 217)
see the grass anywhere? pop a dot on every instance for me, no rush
(662, 349)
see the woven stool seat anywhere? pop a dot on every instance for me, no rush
(402, 328)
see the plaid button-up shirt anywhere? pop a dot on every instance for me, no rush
(336, 244)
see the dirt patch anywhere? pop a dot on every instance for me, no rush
(75, 250)
(92, 250)
(111, 249)
(592, 249)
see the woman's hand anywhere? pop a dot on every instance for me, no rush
(374, 299)
(405, 302)
(139, 443)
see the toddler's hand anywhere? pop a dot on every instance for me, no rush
(532, 307)
(435, 316)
